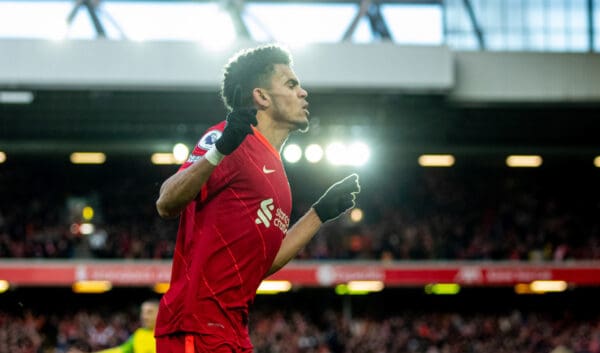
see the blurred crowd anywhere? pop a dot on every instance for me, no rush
(413, 214)
(430, 333)
(295, 331)
(43, 333)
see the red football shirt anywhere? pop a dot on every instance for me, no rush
(227, 240)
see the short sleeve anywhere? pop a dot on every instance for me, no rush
(205, 143)
(223, 173)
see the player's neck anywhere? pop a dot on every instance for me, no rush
(276, 137)
(275, 134)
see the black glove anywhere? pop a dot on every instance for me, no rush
(338, 198)
(236, 129)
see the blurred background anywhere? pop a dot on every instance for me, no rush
(473, 126)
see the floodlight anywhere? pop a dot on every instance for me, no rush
(358, 154)
(180, 152)
(292, 153)
(336, 153)
(313, 153)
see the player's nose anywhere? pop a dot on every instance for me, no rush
(303, 93)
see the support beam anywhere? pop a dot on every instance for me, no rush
(444, 7)
(73, 12)
(590, 25)
(378, 25)
(91, 6)
(364, 7)
(372, 10)
(476, 26)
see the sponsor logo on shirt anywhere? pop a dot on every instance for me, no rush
(209, 139)
(267, 171)
(264, 213)
(265, 216)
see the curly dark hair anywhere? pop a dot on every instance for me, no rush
(248, 69)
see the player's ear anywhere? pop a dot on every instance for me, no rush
(261, 98)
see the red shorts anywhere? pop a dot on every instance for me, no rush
(197, 343)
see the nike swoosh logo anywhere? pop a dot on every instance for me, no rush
(267, 171)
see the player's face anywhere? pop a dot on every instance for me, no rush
(289, 105)
(148, 315)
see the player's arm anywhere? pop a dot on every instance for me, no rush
(126, 347)
(295, 239)
(182, 187)
(336, 200)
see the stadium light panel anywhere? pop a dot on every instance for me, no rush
(2, 157)
(292, 153)
(548, 286)
(358, 287)
(88, 158)
(524, 161)
(442, 288)
(368, 286)
(16, 97)
(88, 287)
(313, 153)
(274, 287)
(161, 287)
(525, 288)
(436, 160)
(4, 285)
(163, 158)
(342, 289)
(540, 287)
